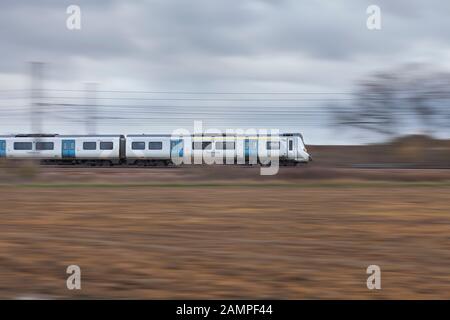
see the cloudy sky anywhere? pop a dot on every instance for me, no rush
(161, 64)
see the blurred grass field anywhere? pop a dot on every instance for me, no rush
(225, 233)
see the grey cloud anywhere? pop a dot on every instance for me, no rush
(159, 32)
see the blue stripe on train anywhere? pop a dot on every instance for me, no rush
(2, 148)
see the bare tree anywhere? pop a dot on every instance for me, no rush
(410, 98)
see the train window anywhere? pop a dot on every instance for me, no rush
(106, 145)
(44, 145)
(89, 145)
(138, 145)
(196, 145)
(23, 146)
(228, 145)
(207, 145)
(155, 145)
(291, 145)
(273, 145)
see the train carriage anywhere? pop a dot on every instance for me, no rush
(156, 148)
(30, 147)
(60, 148)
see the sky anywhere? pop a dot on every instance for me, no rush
(159, 65)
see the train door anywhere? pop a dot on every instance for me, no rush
(68, 148)
(2, 148)
(251, 151)
(176, 150)
(291, 148)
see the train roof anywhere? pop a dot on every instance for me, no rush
(211, 135)
(58, 136)
(136, 135)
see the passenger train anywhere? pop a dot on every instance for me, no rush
(151, 149)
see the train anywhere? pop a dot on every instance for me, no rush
(153, 149)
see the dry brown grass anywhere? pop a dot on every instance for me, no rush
(225, 241)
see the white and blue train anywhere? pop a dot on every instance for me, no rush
(149, 149)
